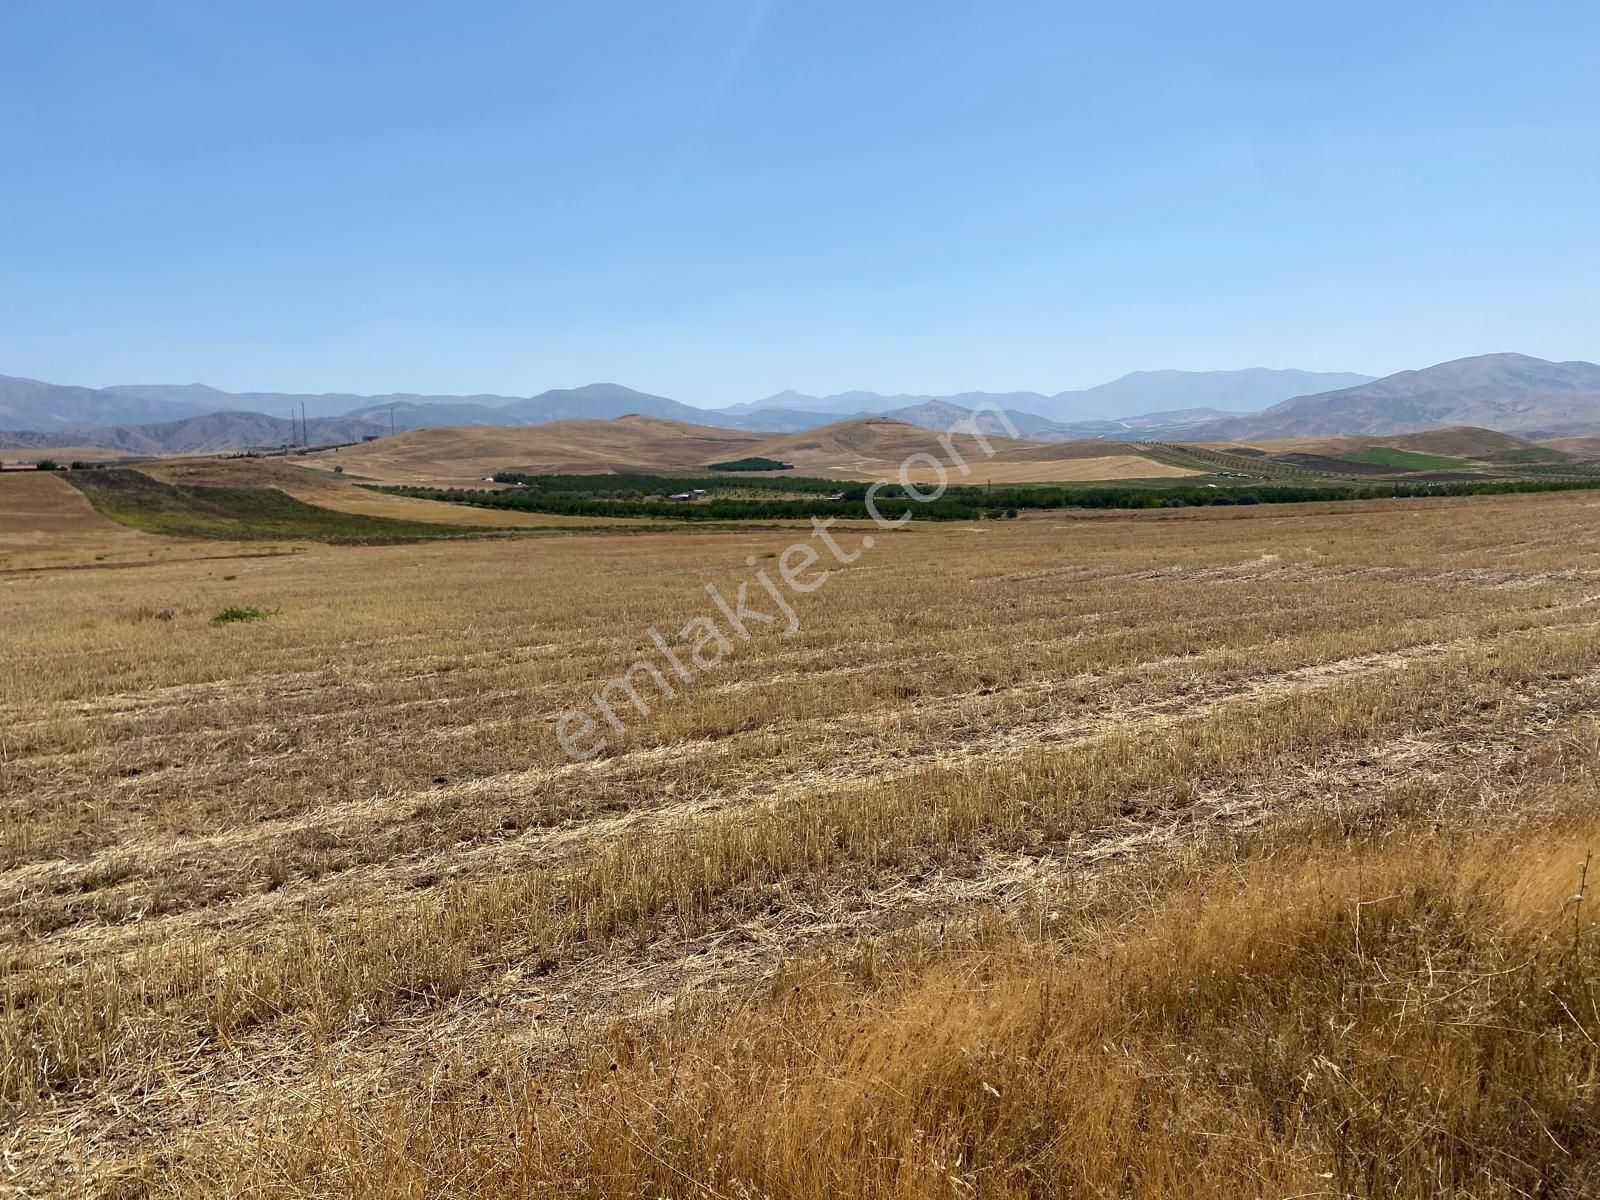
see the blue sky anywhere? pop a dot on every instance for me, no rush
(716, 199)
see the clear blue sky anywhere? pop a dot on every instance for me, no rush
(716, 199)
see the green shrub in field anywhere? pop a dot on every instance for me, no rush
(229, 615)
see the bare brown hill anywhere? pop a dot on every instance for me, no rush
(862, 448)
(875, 447)
(1579, 447)
(13, 457)
(465, 455)
(1461, 441)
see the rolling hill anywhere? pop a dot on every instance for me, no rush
(1438, 455)
(860, 448)
(940, 415)
(1482, 445)
(874, 447)
(463, 456)
(1587, 448)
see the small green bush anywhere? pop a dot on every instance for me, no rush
(45, 464)
(229, 615)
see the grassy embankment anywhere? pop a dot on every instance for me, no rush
(243, 514)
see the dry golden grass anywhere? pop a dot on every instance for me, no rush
(463, 456)
(875, 448)
(1354, 1017)
(13, 455)
(1067, 469)
(863, 448)
(1195, 852)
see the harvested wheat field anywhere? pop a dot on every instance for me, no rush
(1193, 853)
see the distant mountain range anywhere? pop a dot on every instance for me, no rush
(1233, 392)
(1508, 392)
(195, 435)
(163, 418)
(1511, 393)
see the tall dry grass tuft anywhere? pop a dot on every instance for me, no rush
(1398, 1018)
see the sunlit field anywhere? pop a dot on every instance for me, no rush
(1192, 853)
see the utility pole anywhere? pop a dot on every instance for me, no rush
(304, 433)
(391, 420)
(292, 434)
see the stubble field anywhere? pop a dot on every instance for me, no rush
(1188, 853)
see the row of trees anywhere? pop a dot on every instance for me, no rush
(954, 504)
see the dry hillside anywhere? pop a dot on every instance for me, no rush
(1582, 447)
(13, 456)
(875, 448)
(463, 456)
(1484, 445)
(869, 448)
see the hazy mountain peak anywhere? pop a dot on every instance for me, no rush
(597, 391)
(1512, 393)
(158, 391)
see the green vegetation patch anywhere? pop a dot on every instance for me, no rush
(229, 615)
(752, 464)
(1406, 460)
(1532, 455)
(637, 485)
(246, 514)
(973, 503)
